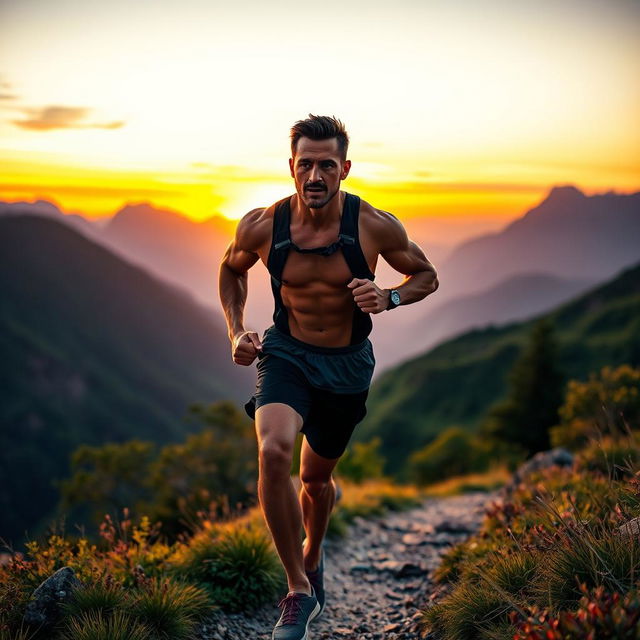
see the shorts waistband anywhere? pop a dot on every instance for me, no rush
(350, 348)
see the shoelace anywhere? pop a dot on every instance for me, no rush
(292, 608)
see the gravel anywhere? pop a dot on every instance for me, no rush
(377, 578)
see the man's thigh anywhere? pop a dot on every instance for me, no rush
(277, 424)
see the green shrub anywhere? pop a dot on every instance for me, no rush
(453, 453)
(235, 563)
(603, 405)
(513, 573)
(609, 560)
(470, 609)
(362, 461)
(104, 595)
(170, 609)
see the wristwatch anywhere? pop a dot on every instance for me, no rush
(394, 299)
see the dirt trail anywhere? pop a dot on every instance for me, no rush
(377, 578)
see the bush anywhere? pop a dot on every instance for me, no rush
(608, 560)
(362, 461)
(168, 608)
(615, 458)
(603, 405)
(235, 563)
(105, 595)
(454, 452)
(601, 615)
(468, 611)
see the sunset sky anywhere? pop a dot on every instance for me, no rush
(466, 112)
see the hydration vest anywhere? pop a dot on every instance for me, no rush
(348, 241)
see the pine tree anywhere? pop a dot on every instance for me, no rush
(536, 390)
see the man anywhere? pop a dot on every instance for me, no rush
(315, 363)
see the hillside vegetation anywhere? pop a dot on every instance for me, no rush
(93, 349)
(457, 382)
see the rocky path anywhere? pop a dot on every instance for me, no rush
(377, 578)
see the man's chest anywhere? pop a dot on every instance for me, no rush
(303, 269)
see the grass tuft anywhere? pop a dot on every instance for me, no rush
(609, 561)
(98, 626)
(106, 596)
(170, 609)
(235, 563)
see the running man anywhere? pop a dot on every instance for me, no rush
(315, 362)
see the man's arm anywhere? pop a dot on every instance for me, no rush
(404, 256)
(233, 279)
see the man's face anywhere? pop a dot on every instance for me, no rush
(318, 168)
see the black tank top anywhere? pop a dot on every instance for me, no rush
(348, 241)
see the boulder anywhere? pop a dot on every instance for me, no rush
(557, 457)
(43, 610)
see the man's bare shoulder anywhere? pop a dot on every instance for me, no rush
(254, 228)
(382, 225)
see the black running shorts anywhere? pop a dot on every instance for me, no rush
(329, 418)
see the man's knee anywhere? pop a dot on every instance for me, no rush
(315, 487)
(275, 456)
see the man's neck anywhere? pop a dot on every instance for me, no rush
(321, 218)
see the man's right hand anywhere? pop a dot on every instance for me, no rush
(245, 347)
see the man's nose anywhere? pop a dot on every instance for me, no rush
(315, 173)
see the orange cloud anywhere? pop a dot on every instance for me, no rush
(56, 117)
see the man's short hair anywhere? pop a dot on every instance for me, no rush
(320, 128)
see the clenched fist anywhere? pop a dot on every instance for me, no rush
(369, 296)
(245, 347)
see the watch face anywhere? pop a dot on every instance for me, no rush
(395, 297)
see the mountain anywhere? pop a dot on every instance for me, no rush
(568, 234)
(515, 298)
(47, 209)
(95, 349)
(456, 383)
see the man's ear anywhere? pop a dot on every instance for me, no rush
(291, 167)
(345, 169)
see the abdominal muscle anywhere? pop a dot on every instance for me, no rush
(319, 314)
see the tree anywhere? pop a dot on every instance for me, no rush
(212, 468)
(536, 389)
(108, 478)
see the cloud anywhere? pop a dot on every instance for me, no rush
(57, 117)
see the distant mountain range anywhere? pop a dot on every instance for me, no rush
(456, 382)
(560, 246)
(569, 235)
(94, 349)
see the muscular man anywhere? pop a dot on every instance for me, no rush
(315, 362)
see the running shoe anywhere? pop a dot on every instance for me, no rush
(298, 609)
(316, 578)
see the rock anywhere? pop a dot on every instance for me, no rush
(413, 539)
(360, 567)
(44, 608)
(391, 627)
(630, 529)
(543, 460)
(409, 569)
(453, 526)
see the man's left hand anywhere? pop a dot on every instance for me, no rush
(369, 296)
